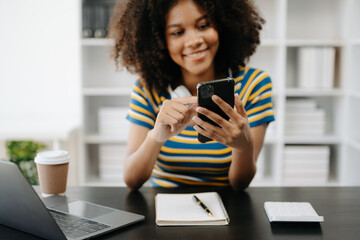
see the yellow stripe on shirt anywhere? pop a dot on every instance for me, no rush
(142, 110)
(139, 99)
(263, 115)
(195, 183)
(139, 91)
(245, 88)
(196, 151)
(262, 89)
(214, 169)
(252, 86)
(194, 160)
(263, 96)
(258, 109)
(141, 118)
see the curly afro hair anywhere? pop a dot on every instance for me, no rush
(138, 28)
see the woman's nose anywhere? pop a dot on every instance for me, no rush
(193, 39)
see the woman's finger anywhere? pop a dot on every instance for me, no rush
(209, 134)
(227, 109)
(239, 106)
(186, 100)
(212, 130)
(219, 120)
(179, 117)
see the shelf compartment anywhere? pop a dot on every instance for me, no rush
(293, 69)
(310, 108)
(320, 19)
(351, 165)
(92, 105)
(271, 11)
(322, 165)
(354, 29)
(354, 80)
(99, 70)
(353, 119)
(93, 174)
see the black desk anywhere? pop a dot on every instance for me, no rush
(340, 207)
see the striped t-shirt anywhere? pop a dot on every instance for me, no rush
(183, 160)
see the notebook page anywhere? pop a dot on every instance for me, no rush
(182, 207)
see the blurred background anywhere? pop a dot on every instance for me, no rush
(59, 89)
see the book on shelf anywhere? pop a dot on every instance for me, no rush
(305, 128)
(317, 115)
(306, 165)
(111, 160)
(304, 118)
(95, 17)
(112, 121)
(294, 165)
(328, 68)
(298, 104)
(181, 209)
(307, 150)
(316, 66)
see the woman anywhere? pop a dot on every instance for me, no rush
(181, 43)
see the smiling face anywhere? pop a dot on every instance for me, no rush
(191, 38)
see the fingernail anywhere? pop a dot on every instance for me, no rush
(214, 97)
(200, 109)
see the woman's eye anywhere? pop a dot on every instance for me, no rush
(204, 26)
(177, 33)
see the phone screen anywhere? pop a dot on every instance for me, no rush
(224, 88)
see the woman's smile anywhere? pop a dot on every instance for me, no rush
(197, 55)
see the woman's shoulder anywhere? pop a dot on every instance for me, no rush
(250, 73)
(141, 88)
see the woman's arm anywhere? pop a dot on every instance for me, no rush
(144, 145)
(243, 165)
(141, 154)
(246, 143)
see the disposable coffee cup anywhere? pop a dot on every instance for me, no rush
(52, 167)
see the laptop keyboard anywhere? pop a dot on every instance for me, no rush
(74, 227)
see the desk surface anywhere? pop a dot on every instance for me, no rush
(340, 207)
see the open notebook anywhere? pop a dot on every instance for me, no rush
(182, 209)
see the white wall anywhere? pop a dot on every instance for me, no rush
(39, 67)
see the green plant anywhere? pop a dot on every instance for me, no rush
(23, 153)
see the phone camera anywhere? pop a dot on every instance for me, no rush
(207, 91)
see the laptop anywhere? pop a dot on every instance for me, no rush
(22, 209)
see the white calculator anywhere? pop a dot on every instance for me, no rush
(291, 212)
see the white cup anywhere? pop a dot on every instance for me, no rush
(52, 167)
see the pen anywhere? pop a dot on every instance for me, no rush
(198, 201)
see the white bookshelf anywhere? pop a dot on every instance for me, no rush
(291, 24)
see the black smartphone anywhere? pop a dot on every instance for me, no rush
(224, 88)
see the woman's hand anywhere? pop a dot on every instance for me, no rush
(173, 117)
(234, 133)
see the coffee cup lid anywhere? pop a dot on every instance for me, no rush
(52, 157)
